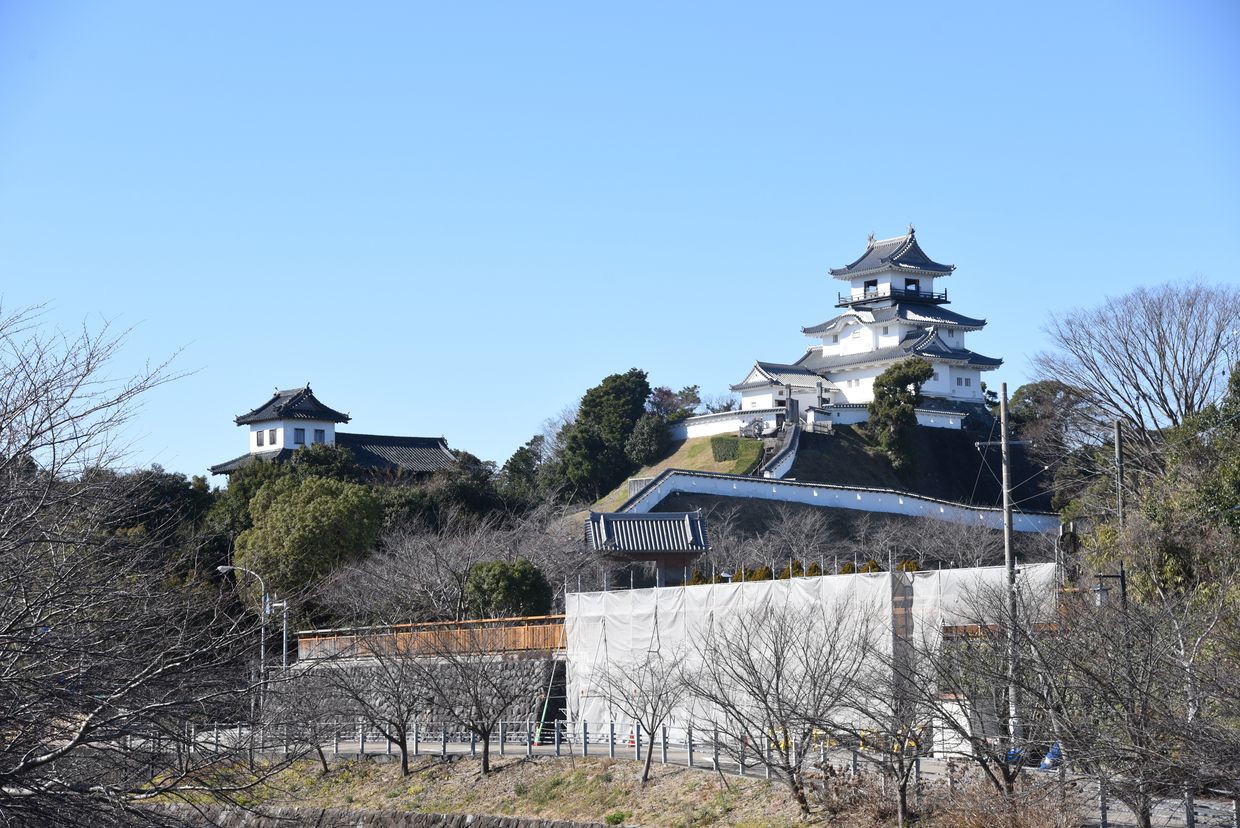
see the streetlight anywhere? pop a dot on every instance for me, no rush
(283, 607)
(262, 641)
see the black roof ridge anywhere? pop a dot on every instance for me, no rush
(356, 435)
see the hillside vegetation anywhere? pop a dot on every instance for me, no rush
(693, 454)
(949, 466)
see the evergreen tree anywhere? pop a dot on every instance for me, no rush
(892, 414)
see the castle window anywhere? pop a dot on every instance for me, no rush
(912, 285)
(259, 435)
(884, 330)
(299, 436)
(959, 381)
(835, 338)
(936, 376)
(871, 286)
(856, 334)
(271, 436)
(968, 381)
(951, 332)
(320, 435)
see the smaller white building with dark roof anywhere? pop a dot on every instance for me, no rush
(295, 418)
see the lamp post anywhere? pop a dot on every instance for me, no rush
(283, 607)
(262, 641)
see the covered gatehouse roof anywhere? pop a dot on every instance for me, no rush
(624, 534)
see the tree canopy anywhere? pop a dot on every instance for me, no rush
(303, 528)
(897, 393)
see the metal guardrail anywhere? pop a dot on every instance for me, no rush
(686, 746)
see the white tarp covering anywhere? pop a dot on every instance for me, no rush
(614, 629)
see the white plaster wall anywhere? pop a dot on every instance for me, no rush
(942, 387)
(757, 399)
(284, 433)
(710, 424)
(938, 419)
(972, 391)
(862, 392)
(867, 500)
(849, 416)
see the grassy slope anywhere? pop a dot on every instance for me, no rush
(693, 454)
(583, 790)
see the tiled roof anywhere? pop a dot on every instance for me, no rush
(773, 373)
(244, 460)
(902, 254)
(416, 454)
(372, 451)
(910, 312)
(655, 532)
(295, 404)
(923, 343)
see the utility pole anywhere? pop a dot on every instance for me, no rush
(1119, 474)
(1009, 561)
(1016, 732)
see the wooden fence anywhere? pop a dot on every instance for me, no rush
(498, 636)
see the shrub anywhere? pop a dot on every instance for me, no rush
(649, 441)
(616, 818)
(725, 447)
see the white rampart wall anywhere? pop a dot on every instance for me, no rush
(727, 422)
(818, 494)
(939, 419)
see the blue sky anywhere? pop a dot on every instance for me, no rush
(454, 218)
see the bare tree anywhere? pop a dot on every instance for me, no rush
(375, 677)
(1150, 357)
(797, 532)
(113, 651)
(886, 716)
(474, 674)
(417, 575)
(773, 679)
(962, 542)
(646, 692)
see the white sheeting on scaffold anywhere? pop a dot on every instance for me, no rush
(617, 628)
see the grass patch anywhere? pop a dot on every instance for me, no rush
(579, 790)
(694, 455)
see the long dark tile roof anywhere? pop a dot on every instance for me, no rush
(416, 454)
(656, 532)
(910, 312)
(774, 373)
(902, 254)
(281, 455)
(294, 404)
(923, 343)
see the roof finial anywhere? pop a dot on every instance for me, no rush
(871, 237)
(910, 228)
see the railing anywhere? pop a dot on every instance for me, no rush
(491, 637)
(699, 748)
(888, 292)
